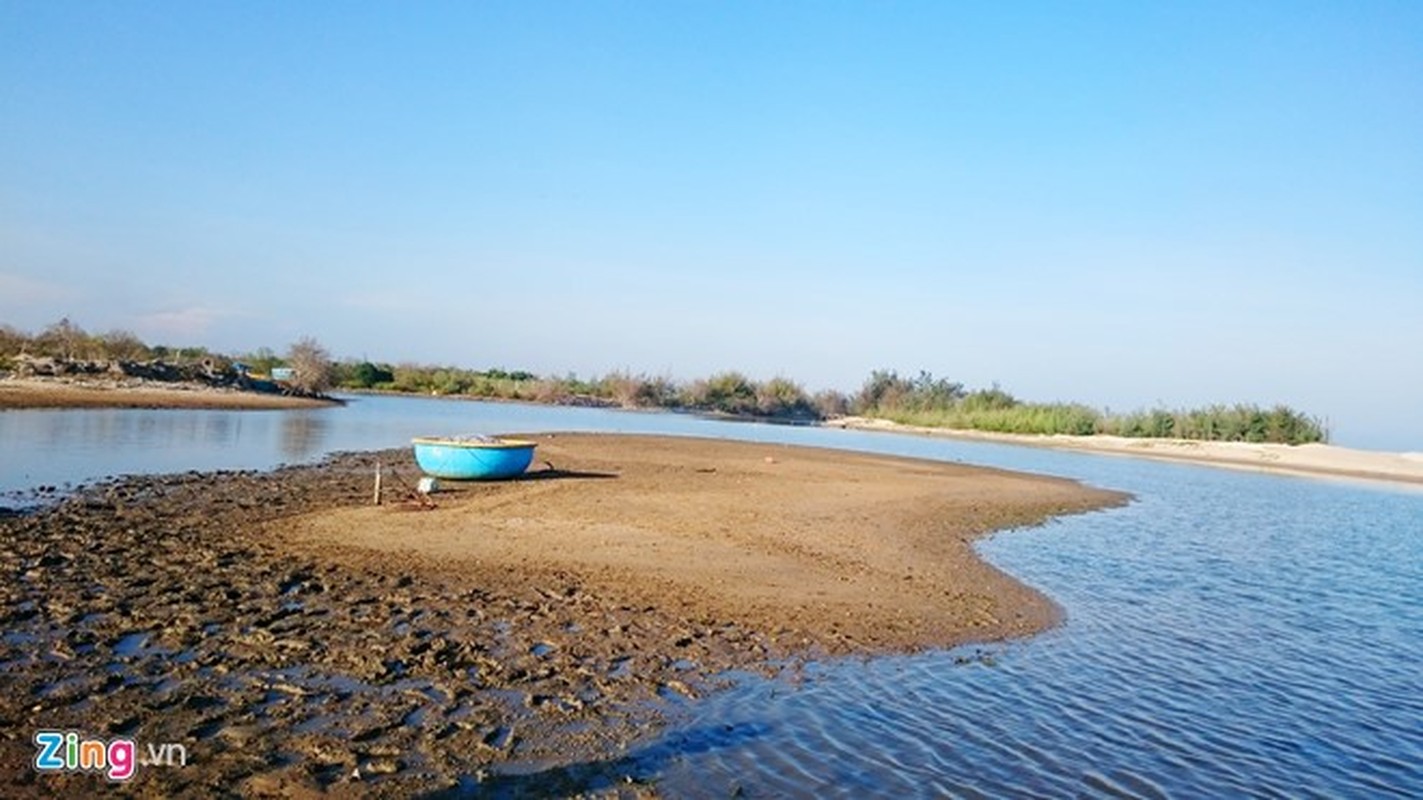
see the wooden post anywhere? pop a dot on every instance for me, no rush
(376, 498)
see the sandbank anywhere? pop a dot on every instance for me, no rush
(18, 393)
(1311, 460)
(853, 552)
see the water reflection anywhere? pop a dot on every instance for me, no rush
(53, 447)
(304, 434)
(56, 447)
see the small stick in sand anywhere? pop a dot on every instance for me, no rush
(376, 498)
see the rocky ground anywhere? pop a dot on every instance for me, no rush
(147, 609)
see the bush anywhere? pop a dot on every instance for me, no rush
(366, 375)
(830, 404)
(635, 391)
(885, 391)
(119, 345)
(782, 397)
(727, 392)
(12, 341)
(939, 403)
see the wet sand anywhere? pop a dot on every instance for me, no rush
(1311, 460)
(297, 639)
(37, 393)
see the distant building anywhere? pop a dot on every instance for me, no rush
(283, 374)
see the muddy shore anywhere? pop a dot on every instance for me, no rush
(296, 639)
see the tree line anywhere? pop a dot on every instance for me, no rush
(920, 400)
(937, 402)
(731, 393)
(66, 342)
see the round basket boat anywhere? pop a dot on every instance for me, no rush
(473, 459)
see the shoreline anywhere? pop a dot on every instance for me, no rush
(1305, 460)
(298, 639)
(57, 394)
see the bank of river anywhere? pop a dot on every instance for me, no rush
(55, 393)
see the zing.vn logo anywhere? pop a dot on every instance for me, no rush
(64, 751)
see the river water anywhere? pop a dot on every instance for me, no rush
(1227, 634)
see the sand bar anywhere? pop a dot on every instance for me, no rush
(854, 552)
(1315, 460)
(17, 393)
(298, 640)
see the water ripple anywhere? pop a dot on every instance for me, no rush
(1228, 635)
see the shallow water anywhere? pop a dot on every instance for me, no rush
(1227, 634)
(48, 447)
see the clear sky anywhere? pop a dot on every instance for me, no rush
(1119, 203)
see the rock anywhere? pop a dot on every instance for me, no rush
(681, 688)
(381, 766)
(239, 734)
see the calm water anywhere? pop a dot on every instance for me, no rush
(1228, 634)
(49, 447)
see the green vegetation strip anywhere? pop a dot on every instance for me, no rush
(923, 400)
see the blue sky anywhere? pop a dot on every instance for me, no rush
(1119, 203)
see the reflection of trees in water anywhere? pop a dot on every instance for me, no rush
(302, 433)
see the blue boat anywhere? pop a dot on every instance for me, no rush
(473, 458)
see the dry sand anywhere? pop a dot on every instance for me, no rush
(1317, 460)
(853, 552)
(49, 393)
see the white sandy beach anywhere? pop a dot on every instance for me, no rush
(1306, 459)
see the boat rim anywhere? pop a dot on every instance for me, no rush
(498, 444)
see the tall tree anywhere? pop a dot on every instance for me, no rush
(311, 365)
(63, 340)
